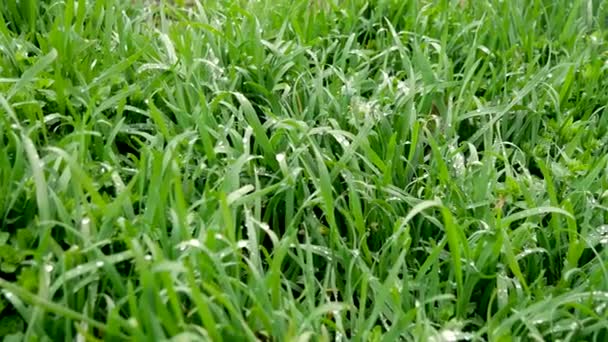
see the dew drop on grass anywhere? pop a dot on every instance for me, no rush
(189, 243)
(132, 322)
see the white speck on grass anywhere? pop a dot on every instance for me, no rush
(342, 140)
(85, 226)
(190, 243)
(8, 294)
(148, 257)
(348, 89)
(99, 264)
(458, 163)
(132, 322)
(403, 88)
(280, 157)
(600, 235)
(599, 294)
(48, 268)
(449, 335)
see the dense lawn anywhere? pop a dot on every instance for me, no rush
(304, 170)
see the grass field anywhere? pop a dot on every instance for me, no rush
(303, 170)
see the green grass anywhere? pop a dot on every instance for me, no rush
(302, 170)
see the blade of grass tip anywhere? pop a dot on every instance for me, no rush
(324, 185)
(160, 120)
(258, 130)
(551, 191)
(444, 174)
(453, 234)
(203, 127)
(42, 198)
(509, 253)
(30, 74)
(254, 250)
(418, 208)
(227, 217)
(575, 247)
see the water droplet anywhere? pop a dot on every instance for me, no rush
(195, 243)
(189, 243)
(132, 322)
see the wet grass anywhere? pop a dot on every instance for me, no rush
(304, 170)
